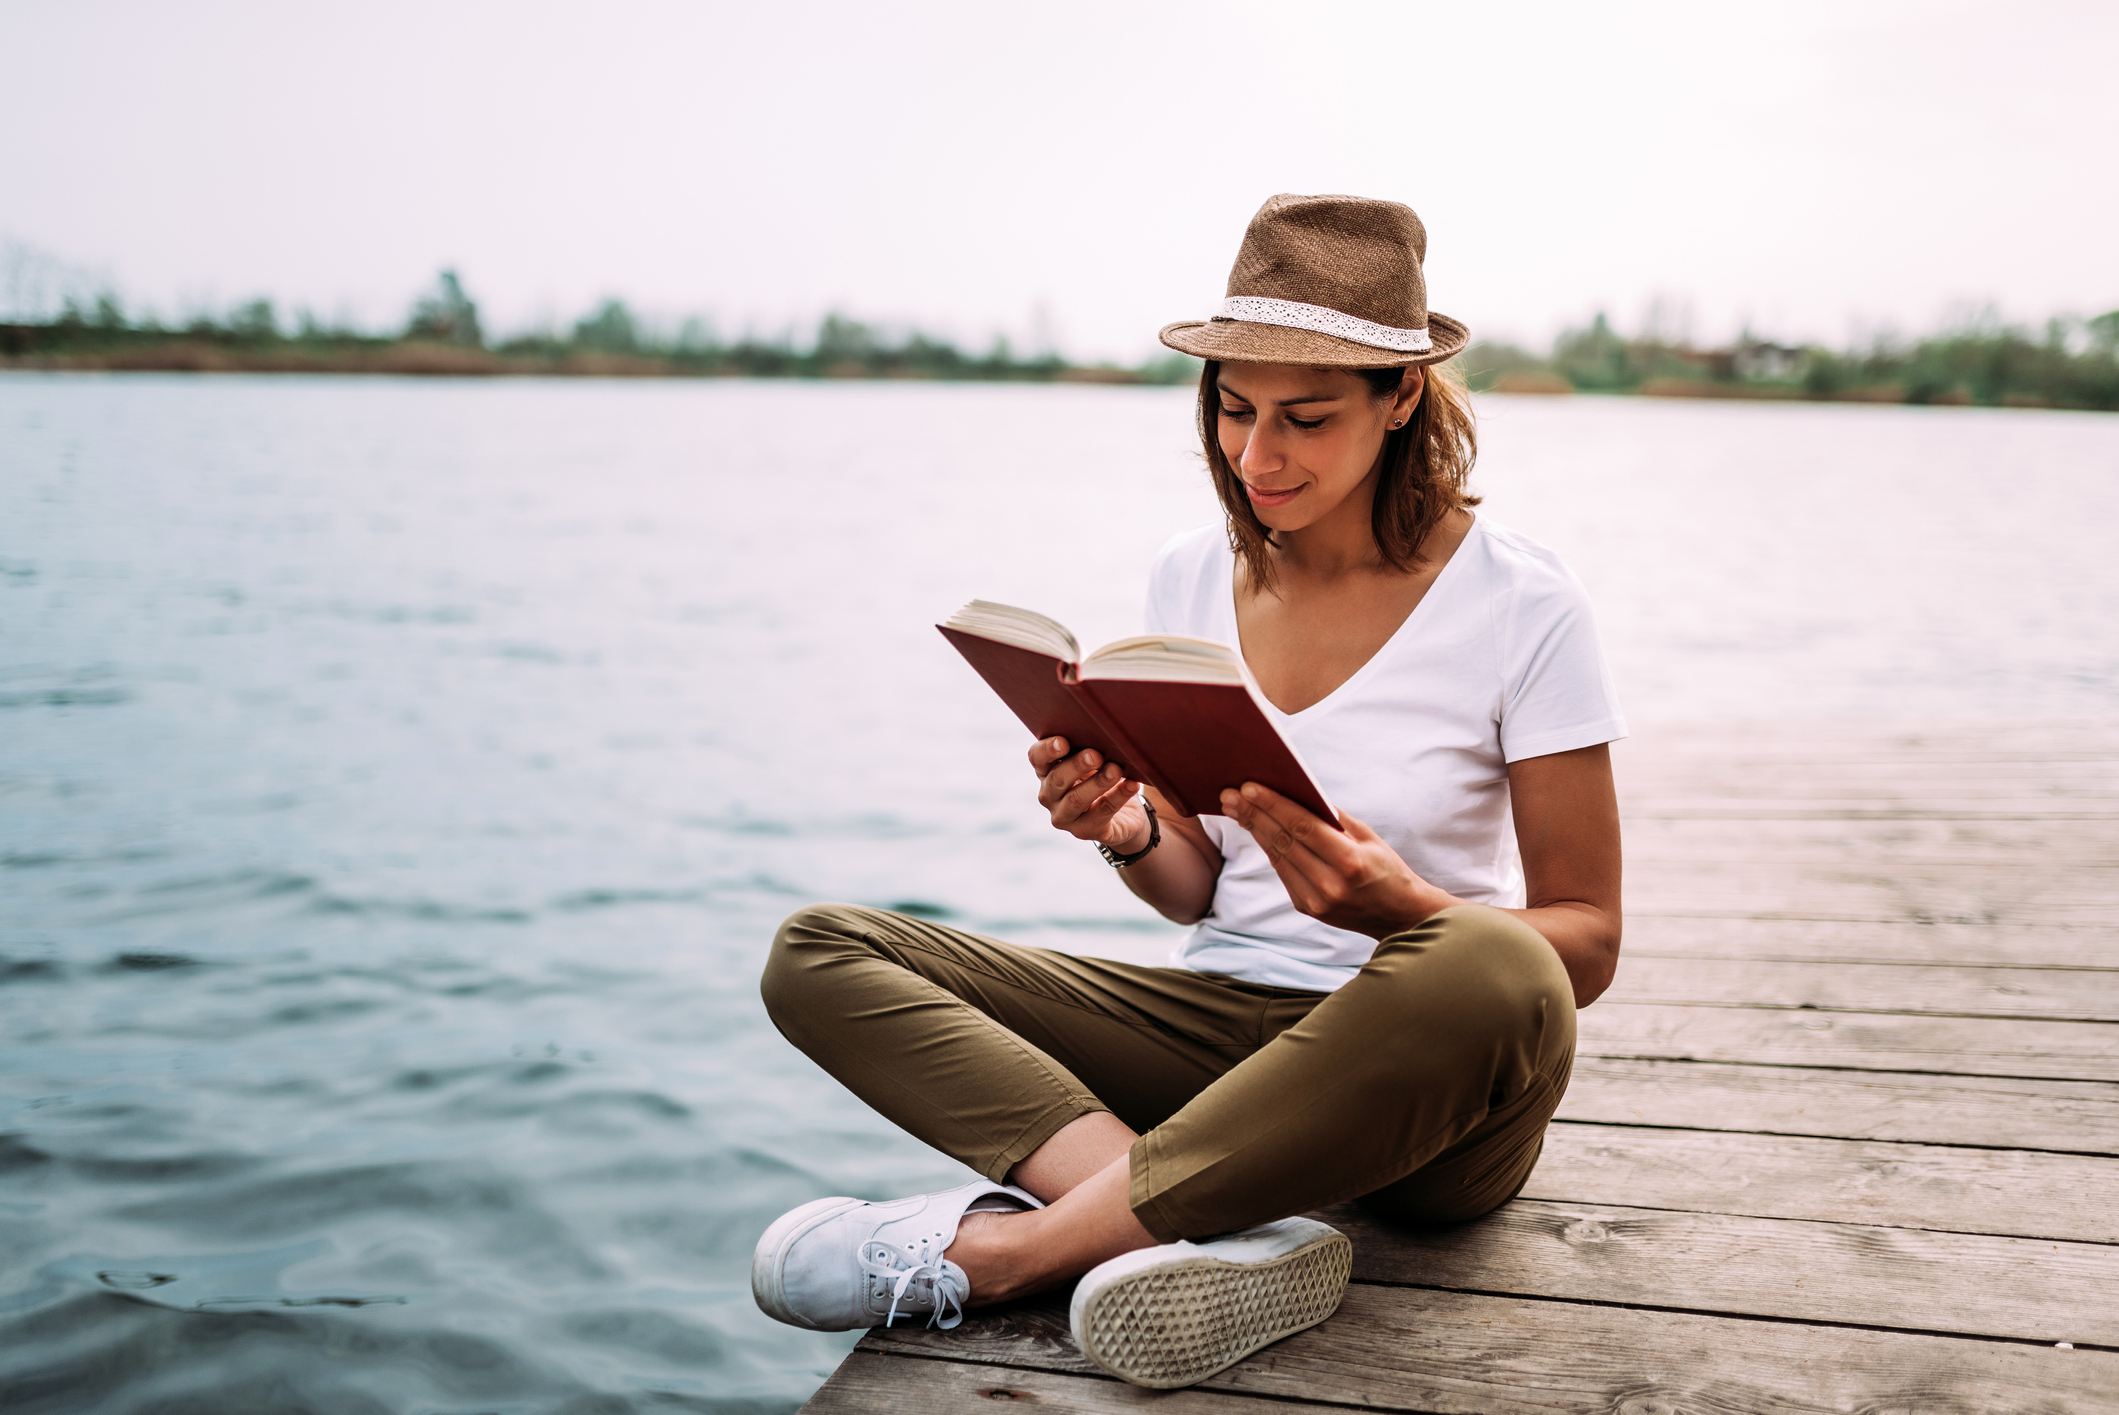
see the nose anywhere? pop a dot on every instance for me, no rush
(1262, 452)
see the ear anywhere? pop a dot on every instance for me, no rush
(1410, 386)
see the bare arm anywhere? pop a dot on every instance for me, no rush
(1090, 801)
(1567, 825)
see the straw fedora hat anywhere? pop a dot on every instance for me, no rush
(1331, 282)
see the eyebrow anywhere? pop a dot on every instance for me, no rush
(1295, 402)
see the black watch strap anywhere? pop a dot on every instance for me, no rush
(1155, 838)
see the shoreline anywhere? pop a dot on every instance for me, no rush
(419, 360)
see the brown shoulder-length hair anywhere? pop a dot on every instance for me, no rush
(1426, 465)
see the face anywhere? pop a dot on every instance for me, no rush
(1305, 439)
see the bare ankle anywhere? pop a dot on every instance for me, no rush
(986, 1249)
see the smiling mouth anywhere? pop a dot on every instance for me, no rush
(1271, 494)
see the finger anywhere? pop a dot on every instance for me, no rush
(1090, 788)
(1048, 752)
(1069, 790)
(1106, 807)
(1070, 775)
(1074, 768)
(1290, 836)
(1302, 824)
(1356, 828)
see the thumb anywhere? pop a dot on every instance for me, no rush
(1356, 828)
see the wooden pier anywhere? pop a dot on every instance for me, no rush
(1844, 1136)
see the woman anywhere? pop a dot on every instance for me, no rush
(1383, 1011)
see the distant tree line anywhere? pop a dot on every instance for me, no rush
(2071, 363)
(444, 335)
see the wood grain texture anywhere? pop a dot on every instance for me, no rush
(1913, 1279)
(1853, 1102)
(2076, 1116)
(868, 1383)
(2076, 994)
(1402, 1349)
(1868, 1041)
(1656, 935)
(2011, 842)
(1829, 1180)
(1884, 892)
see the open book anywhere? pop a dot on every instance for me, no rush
(1180, 714)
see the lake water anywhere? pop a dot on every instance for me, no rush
(400, 781)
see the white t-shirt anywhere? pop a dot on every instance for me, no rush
(1499, 661)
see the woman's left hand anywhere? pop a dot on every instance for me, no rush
(1347, 878)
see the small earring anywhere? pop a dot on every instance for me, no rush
(1398, 424)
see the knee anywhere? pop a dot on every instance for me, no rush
(1498, 974)
(803, 948)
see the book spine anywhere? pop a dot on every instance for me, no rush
(1143, 765)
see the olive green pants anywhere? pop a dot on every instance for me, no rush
(1423, 1085)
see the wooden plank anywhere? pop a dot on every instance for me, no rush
(1884, 893)
(1407, 1349)
(1981, 810)
(1913, 1279)
(2000, 743)
(2026, 1195)
(1873, 1041)
(1856, 1091)
(1722, 772)
(868, 1382)
(1660, 935)
(2053, 993)
(1781, 837)
(2081, 1117)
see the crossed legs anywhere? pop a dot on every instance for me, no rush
(1150, 1104)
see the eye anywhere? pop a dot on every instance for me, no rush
(1306, 423)
(1239, 414)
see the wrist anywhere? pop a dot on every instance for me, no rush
(1430, 902)
(1121, 859)
(1135, 840)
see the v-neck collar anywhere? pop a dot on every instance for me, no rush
(1368, 666)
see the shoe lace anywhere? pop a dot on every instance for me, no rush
(919, 1274)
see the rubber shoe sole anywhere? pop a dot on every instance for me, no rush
(1167, 1317)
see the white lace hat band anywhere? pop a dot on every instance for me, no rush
(1291, 314)
(1326, 282)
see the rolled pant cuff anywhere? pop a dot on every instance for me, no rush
(1142, 1198)
(1037, 1132)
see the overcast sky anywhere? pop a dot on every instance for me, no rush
(1818, 170)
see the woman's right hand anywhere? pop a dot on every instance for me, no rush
(1087, 796)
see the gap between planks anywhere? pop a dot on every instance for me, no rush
(2031, 994)
(1888, 1184)
(2072, 1117)
(1410, 1349)
(1866, 1041)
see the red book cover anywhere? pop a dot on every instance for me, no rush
(1190, 741)
(1035, 685)
(1205, 738)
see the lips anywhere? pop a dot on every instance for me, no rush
(1267, 496)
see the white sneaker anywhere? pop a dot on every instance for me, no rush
(840, 1264)
(1174, 1315)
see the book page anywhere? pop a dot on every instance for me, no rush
(1024, 628)
(1165, 658)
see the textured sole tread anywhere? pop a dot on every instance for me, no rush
(1179, 1323)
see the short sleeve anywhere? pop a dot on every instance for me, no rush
(1174, 582)
(1557, 694)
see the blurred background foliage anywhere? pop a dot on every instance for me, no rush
(2070, 363)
